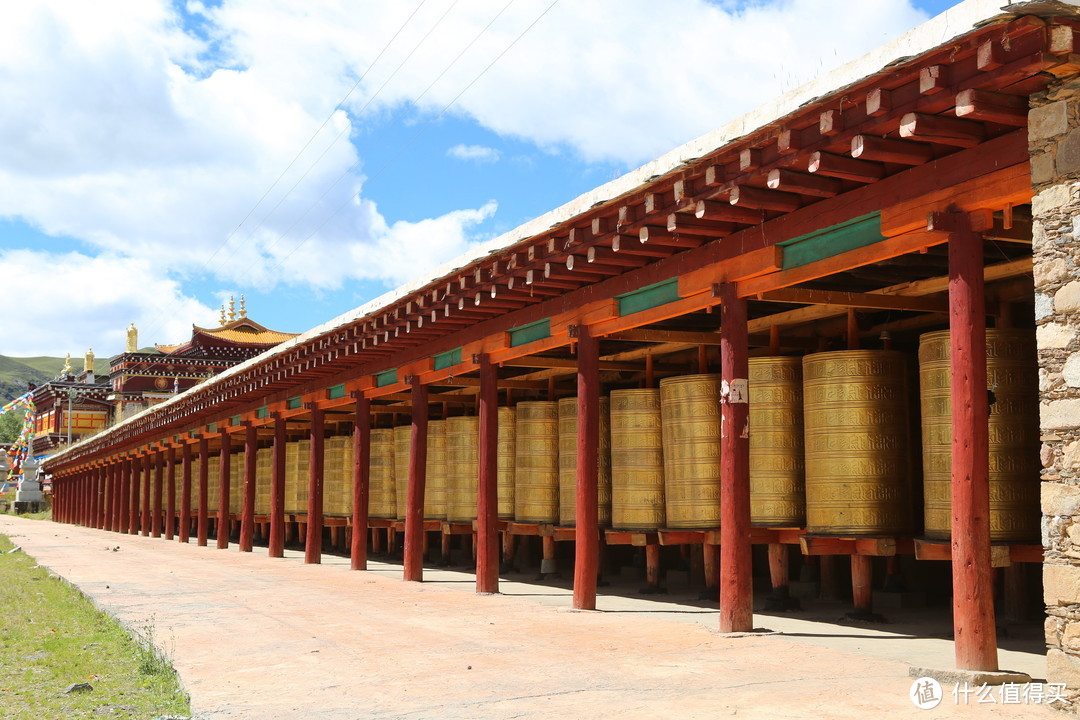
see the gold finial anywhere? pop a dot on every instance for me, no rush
(232, 309)
(223, 314)
(243, 307)
(132, 338)
(88, 361)
(67, 365)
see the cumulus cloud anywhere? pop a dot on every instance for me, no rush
(68, 302)
(475, 153)
(149, 141)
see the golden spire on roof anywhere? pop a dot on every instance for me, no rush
(243, 307)
(222, 314)
(232, 309)
(67, 365)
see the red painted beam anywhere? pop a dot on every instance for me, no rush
(361, 474)
(224, 482)
(587, 538)
(487, 502)
(414, 503)
(247, 513)
(277, 490)
(313, 543)
(973, 588)
(736, 587)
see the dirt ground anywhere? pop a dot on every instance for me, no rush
(254, 637)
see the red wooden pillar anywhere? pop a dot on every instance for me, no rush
(112, 520)
(156, 515)
(277, 490)
(361, 483)
(204, 491)
(414, 507)
(313, 544)
(170, 493)
(103, 499)
(973, 590)
(98, 488)
(144, 515)
(487, 499)
(247, 514)
(125, 494)
(223, 515)
(862, 583)
(586, 538)
(736, 587)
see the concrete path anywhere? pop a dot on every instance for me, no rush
(257, 638)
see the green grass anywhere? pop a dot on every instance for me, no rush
(52, 636)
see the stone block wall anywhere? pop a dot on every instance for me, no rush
(1054, 141)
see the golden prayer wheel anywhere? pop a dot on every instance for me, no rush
(507, 447)
(568, 435)
(1012, 374)
(777, 479)
(213, 484)
(536, 462)
(690, 418)
(381, 485)
(337, 476)
(402, 438)
(435, 481)
(855, 409)
(297, 462)
(264, 464)
(236, 481)
(462, 467)
(637, 460)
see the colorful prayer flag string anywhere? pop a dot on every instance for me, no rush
(18, 450)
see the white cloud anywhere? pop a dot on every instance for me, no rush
(67, 302)
(150, 144)
(475, 153)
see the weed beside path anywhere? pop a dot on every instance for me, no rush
(51, 637)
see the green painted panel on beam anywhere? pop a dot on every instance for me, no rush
(386, 377)
(335, 392)
(263, 412)
(530, 333)
(294, 403)
(857, 233)
(448, 359)
(235, 420)
(649, 297)
(191, 433)
(212, 427)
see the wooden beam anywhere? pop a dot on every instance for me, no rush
(942, 129)
(803, 183)
(879, 149)
(666, 336)
(992, 107)
(856, 300)
(757, 198)
(845, 168)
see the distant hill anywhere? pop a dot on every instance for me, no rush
(15, 373)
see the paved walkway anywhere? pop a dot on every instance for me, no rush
(258, 638)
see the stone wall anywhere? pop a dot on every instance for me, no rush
(1054, 137)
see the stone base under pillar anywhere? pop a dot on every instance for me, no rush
(954, 676)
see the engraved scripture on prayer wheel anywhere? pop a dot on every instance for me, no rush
(568, 437)
(536, 462)
(382, 488)
(690, 418)
(637, 460)
(297, 460)
(402, 434)
(236, 480)
(213, 484)
(1012, 375)
(337, 476)
(462, 467)
(777, 480)
(858, 465)
(507, 435)
(435, 482)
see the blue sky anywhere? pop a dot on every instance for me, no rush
(131, 178)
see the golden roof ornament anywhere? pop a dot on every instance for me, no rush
(232, 309)
(243, 307)
(132, 339)
(67, 366)
(222, 314)
(88, 361)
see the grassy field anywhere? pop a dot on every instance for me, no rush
(52, 636)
